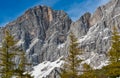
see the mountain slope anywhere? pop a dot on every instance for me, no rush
(39, 31)
(97, 39)
(44, 33)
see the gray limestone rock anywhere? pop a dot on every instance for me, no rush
(39, 31)
(43, 33)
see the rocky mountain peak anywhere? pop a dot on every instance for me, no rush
(43, 33)
(39, 31)
(40, 10)
(96, 16)
(95, 36)
(83, 25)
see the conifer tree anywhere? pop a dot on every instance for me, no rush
(72, 62)
(22, 70)
(88, 72)
(113, 69)
(8, 52)
(6, 56)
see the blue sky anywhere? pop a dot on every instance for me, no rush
(11, 9)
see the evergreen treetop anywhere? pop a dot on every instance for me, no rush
(72, 62)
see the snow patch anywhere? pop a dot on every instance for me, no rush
(116, 16)
(92, 56)
(20, 42)
(45, 68)
(103, 63)
(106, 29)
(105, 38)
(84, 38)
(90, 34)
(61, 46)
(119, 59)
(34, 41)
(88, 61)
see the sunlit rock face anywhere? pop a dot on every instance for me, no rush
(39, 31)
(43, 33)
(97, 40)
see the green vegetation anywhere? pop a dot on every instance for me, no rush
(8, 53)
(113, 69)
(88, 72)
(72, 62)
(9, 68)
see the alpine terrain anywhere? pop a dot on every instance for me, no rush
(43, 33)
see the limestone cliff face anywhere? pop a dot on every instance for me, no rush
(81, 26)
(98, 27)
(39, 31)
(44, 33)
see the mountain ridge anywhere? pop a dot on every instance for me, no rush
(44, 33)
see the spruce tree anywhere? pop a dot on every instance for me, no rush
(6, 56)
(8, 52)
(88, 72)
(72, 61)
(113, 69)
(22, 70)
